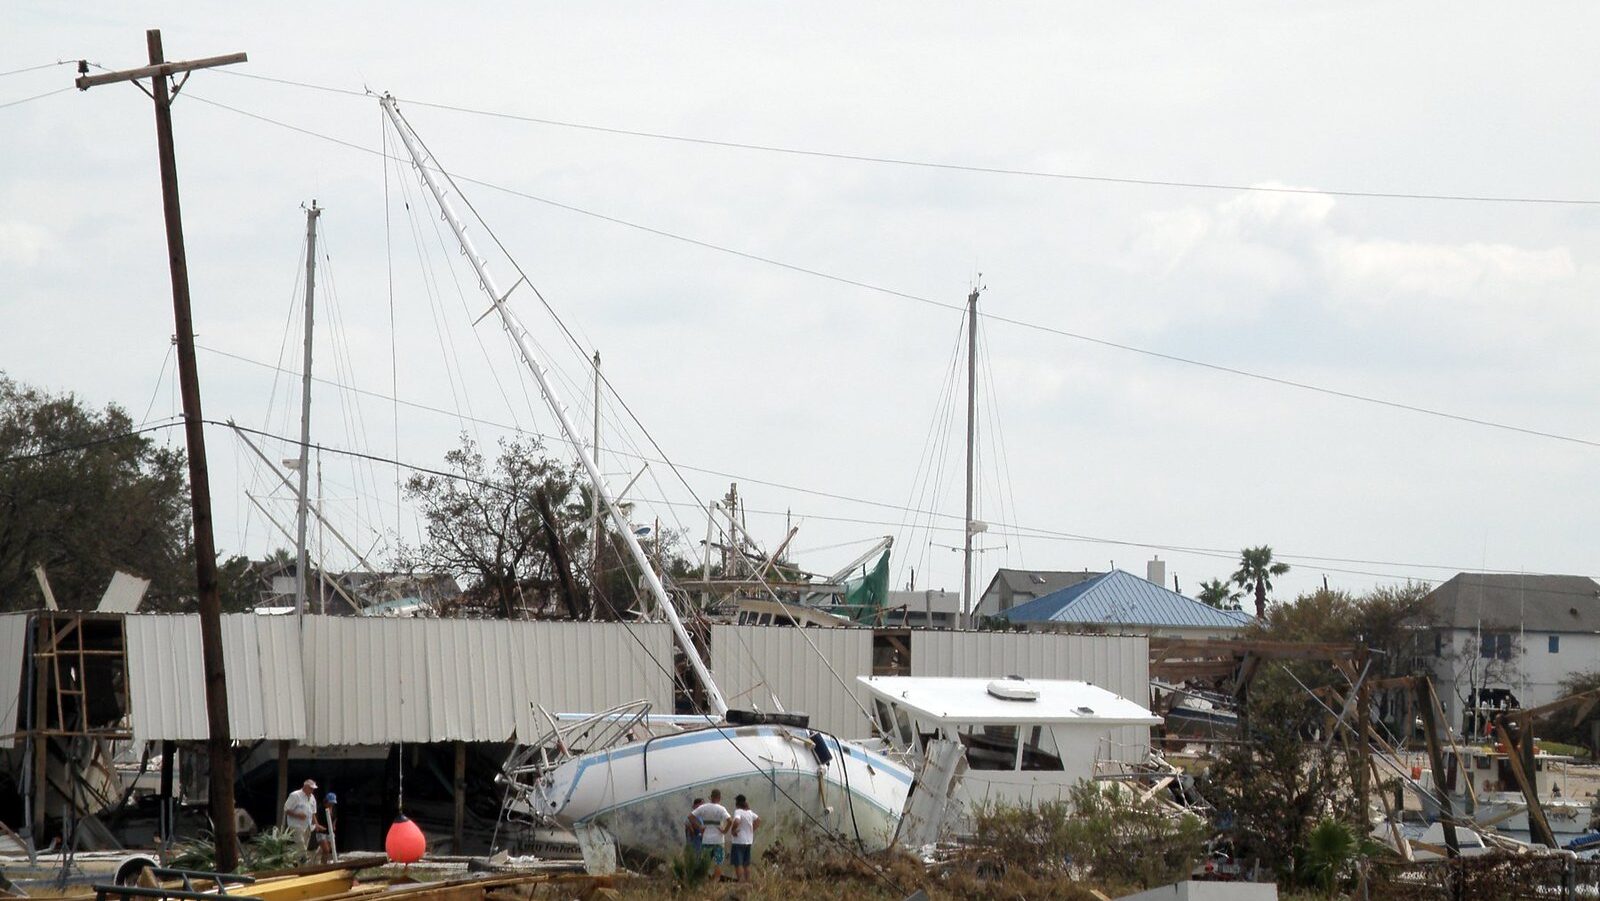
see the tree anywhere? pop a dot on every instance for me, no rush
(1219, 594)
(1256, 570)
(1584, 732)
(84, 498)
(484, 524)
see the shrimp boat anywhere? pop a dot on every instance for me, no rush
(623, 779)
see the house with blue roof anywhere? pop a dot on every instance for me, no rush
(1119, 601)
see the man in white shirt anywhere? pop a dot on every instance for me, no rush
(742, 830)
(713, 819)
(300, 814)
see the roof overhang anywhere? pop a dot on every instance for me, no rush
(966, 701)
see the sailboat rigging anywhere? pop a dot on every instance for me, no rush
(622, 778)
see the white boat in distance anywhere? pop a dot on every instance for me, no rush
(623, 779)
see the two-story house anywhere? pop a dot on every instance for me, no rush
(1508, 640)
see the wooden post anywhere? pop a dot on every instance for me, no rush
(44, 626)
(460, 784)
(205, 552)
(1363, 749)
(1518, 736)
(169, 754)
(1432, 726)
(283, 779)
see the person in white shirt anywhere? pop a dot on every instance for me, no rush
(713, 819)
(300, 814)
(742, 830)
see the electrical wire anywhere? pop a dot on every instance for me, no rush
(1016, 530)
(23, 100)
(1190, 184)
(96, 442)
(1042, 328)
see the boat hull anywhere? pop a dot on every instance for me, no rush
(641, 792)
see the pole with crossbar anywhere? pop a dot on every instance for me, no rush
(205, 553)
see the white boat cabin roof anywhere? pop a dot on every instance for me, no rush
(959, 700)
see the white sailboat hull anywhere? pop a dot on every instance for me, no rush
(641, 792)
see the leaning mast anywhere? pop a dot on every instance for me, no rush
(428, 168)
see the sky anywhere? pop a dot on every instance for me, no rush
(766, 316)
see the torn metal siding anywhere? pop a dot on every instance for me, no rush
(1117, 663)
(13, 650)
(755, 663)
(166, 679)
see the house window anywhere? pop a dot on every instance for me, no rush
(1495, 646)
(1555, 644)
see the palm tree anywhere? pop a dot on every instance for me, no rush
(1219, 594)
(1256, 570)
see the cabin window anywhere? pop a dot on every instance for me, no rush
(1039, 750)
(990, 747)
(1555, 644)
(895, 724)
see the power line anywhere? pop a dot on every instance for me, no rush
(904, 295)
(944, 166)
(1011, 529)
(35, 97)
(59, 62)
(95, 442)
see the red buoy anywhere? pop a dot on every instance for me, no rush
(405, 842)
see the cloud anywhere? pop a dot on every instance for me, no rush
(1237, 258)
(22, 243)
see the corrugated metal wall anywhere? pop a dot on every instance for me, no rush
(166, 681)
(753, 663)
(13, 647)
(349, 681)
(378, 681)
(354, 681)
(1117, 663)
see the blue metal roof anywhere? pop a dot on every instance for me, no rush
(1120, 598)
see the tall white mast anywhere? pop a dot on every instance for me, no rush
(972, 405)
(596, 523)
(300, 562)
(429, 169)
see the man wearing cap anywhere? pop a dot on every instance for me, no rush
(300, 814)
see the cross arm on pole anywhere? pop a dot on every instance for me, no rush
(85, 82)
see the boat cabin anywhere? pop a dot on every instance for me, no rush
(1027, 741)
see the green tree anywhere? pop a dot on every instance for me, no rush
(1584, 732)
(83, 498)
(1256, 569)
(483, 525)
(1219, 594)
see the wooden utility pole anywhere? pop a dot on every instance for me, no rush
(205, 552)
(972, 411)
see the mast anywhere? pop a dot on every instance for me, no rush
(972, 404)
(594, 503)
(300, 567)
(429, 170)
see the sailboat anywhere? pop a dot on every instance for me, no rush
(625, 779)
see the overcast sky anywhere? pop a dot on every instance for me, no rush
(738, 366)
